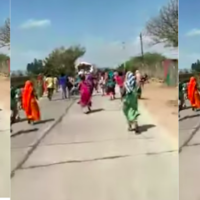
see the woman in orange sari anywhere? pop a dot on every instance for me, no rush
(193, 94)
(30, 104)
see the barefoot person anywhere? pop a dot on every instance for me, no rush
(30, 104)
(130, 101)
(193, 94)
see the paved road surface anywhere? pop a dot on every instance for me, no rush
(93, 156)
(24, 136)
(189, 141)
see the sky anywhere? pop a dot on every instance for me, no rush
(189, 33)
(4, 14)
(109, 30)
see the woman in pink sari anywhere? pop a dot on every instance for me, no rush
(85, 92)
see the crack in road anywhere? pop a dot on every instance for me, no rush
(185, 144)
(91, 142)
(96, 159)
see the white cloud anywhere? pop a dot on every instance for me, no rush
(5, 50)
(193, 32)
(32, 23)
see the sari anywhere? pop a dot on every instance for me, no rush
(193, 93)
(30, 104)
(130, 99)
(85, 94)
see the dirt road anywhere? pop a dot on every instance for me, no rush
(161, 102)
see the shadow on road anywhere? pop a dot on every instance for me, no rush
(186, 108)
(144, 98)
(24, 132)
(145, 128)
(189, 117)
(20, 120)
(95, 110)
(44, 121)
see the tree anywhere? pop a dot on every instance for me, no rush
(138, 62)
(164, 27)
(4, 58)
(35, 68)
(62, 60)
(195, 67)
(5, 34)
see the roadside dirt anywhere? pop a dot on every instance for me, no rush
(162, 102)
(5, 94)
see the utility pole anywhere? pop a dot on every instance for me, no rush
(123, 43)
(141, 46)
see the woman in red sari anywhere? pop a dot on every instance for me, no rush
(30, 104)
(193, 94)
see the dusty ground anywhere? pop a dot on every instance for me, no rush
(162, 102)
(4, 93)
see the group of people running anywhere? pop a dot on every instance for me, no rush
(130, 85)
(189, 91)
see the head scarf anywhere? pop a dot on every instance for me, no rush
(129, 82)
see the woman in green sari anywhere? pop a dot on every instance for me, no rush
(130, 101)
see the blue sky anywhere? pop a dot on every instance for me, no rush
(100, 26)
(189, 32)
(4, 14)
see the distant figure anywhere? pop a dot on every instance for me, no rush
(50, 86)
(55, 80)
(13, 105)
(110, 85)
(63, 85)
(120, 81)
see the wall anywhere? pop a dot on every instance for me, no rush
(166, 71)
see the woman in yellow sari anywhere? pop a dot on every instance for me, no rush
(193, 94)
(30, 104)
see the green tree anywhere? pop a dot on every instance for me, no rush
(5, 34)
(195, 67)
(62, 60)
(36, 67)
(138, 62)
(164, 27)
(4, 57)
